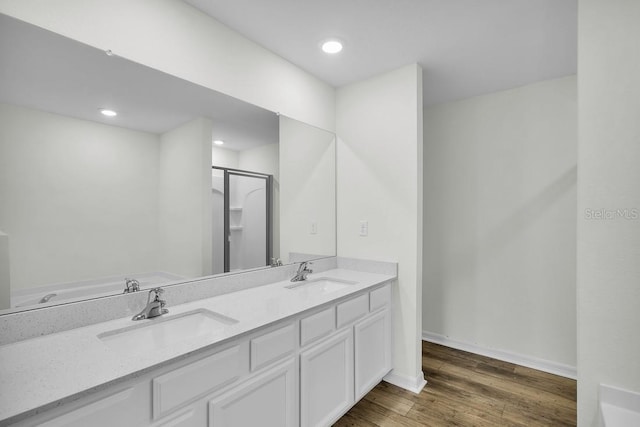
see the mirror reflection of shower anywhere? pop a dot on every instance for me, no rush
(242, 212)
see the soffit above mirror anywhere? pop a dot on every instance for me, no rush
(49, 72)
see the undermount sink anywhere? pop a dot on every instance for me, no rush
(165, 331)
(321, 285)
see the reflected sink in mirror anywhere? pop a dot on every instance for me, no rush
(165, 331)
(321, 285)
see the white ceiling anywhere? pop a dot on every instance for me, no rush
(466, 47)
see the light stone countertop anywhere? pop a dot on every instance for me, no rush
(51, 369)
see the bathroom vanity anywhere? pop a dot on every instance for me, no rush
(278, 354)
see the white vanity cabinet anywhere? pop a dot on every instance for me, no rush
(339, 370)
(326, 380)
(269, 399)
(372, 339)
(307, 370)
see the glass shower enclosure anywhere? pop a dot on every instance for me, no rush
(242, 219)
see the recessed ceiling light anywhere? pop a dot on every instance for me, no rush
(332, 46)
(108, 113)
(218, 142)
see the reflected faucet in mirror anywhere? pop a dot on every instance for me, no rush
(131, 285)
(46, 298)
(153, 308)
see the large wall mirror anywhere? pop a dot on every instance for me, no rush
(91, 203)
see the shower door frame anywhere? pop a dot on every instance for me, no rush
(269, 212)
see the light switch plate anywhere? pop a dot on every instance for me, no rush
(364, 228)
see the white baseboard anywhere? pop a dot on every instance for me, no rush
(555, 368)
(619, 407)
(413, 384)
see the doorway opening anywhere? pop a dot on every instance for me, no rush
(242, 219)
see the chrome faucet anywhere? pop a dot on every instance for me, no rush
(302, 273)
(46, 298)
(131, 285)
(154, 308)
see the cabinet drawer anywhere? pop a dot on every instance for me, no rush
(352, 310)
(178, 387)
(272, 346)
(317, 326)
(110, 408)
(380, 297)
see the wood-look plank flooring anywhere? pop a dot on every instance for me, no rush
(466, 389)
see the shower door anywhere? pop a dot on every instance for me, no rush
(241, 219)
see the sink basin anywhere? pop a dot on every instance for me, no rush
(165, 331)
(321, 285)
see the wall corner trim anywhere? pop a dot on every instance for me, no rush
(549, 366)
(414, 385)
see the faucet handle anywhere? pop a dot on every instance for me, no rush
(158, 292)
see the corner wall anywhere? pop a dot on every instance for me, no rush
(379, 168)
(5, 269)
(184, 203)
(608, 179)
(307, 189)
(500, 239)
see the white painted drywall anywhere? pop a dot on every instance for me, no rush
(5, 270)
(379, 165)
(224, 158)
(500, 222)
(262, 159)
(266, 159)
(173, 37)
(217, 222)
(307, 189)
(185, 208)
(608, 179)
(78, 198)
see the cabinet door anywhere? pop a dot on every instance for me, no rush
(267, 400)
(326, 380)
(373, 351)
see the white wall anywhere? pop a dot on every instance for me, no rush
(266, 159)
(608, 178)
(308, 189)
(5, 269)
(185, 209)
(379, 127)
(224, 158)
(263, 159)
(73, 194)
(500, 222)
(173, 37)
